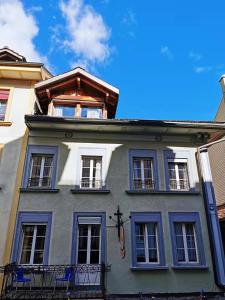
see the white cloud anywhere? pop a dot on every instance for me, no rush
(18, 29)
(34, 9)
(202, 69)
(129, 18)
(195, 56)
(88, 33)
(166, 52)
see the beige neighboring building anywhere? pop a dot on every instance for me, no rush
(216, 152)
(17, 98)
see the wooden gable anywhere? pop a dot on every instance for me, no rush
(77, 89)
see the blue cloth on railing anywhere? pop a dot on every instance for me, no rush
(19, 276)
(68, 275)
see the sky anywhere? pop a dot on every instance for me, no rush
(166, 57)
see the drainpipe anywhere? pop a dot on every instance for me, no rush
(211, 211)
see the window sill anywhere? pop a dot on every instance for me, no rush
(189, 267)
(40, 190)
(90, 191)
(149, 268)
(161, 192)
(5, 123)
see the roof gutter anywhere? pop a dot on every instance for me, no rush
(211, 212)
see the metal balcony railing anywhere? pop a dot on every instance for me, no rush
(42, 182)
(53, 281)
(181, 184)
(146, 184)
(86, 183)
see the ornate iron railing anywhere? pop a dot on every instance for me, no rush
(146, 184)
(36, 182)
(53, 281)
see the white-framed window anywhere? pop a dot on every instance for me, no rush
(143, 173)
(40, 170)
(185, 243)
(91, 172)
(67, 111)
(178, 174)
(32, 244)
(91, 112)
(147, 248)
(4, 95)
(89, 241)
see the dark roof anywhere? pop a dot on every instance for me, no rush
(130, 122)
(7, 54)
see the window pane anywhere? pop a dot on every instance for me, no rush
(47, 172)
(25, 257)
(140, 255)
(152, 241)
(40, 243)
(38, 257)
(41, 230)
(3, 104)
(191, 245)
(95, 230)
(179, 242)
(94, 113)
(64, 111)
(82, 243)
(140, 242)
(153, 255)
(84, 112)
(68, 111)
(83, 230)
(82, 257)
(94, 257)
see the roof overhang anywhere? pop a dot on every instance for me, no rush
(70, 74)
(214, 130)
(23, 71)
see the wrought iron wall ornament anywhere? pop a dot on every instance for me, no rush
(120, 230)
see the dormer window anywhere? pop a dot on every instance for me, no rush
(66, 111)
(91, 112)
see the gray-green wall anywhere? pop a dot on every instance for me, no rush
(120, 279)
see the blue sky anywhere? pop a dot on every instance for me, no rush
(166, 57)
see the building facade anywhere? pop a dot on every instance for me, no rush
(17, 79)
(110, 207)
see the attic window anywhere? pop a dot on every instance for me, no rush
(91, 112)
(66, 111)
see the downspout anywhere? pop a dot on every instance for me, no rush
(211, 211)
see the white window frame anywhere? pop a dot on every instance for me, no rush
(176, 161)
(146, 244)
(88, 257)
(142, 171)
(91, 157)
(184, 236)
(31, 262)
(43, 157)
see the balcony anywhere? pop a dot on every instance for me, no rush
(53, 281)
